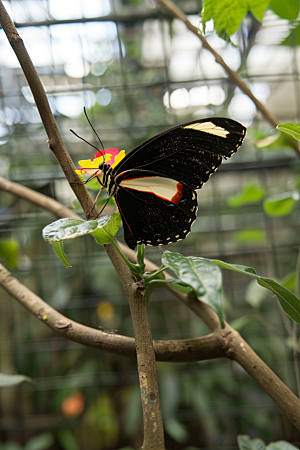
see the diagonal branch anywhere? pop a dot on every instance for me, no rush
(174, 11)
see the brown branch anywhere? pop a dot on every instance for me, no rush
(230, 344)
(60, 211)
(40, 200)
(153, 426)
(282, 396)
(203, 348)
(221, 343)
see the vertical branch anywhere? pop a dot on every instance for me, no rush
(153, 426)
(136, 295)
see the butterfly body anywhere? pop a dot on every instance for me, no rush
(154, 185)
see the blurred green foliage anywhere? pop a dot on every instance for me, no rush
(205, 404)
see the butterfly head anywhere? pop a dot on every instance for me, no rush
(104, 158)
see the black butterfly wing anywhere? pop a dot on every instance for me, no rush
(153, 220)
(188, 153)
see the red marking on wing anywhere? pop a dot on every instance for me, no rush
(178, 196)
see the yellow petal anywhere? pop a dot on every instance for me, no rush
(88, 164)
(119, 157)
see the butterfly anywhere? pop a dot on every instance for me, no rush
(154, 185)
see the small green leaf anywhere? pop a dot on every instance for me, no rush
(103, 228)
(202, 275)
(290, 128)
(289, 281)
(281, 445)
(277, 141)
(249, 194)
(242, 322)
(293, 39)
(41, 442)
(281, 204)
(11, 380)
(10, 249)
(140, 257)
(255, 294)
(67, 229)
(58, 247)
(107, 228)
(245, 443)
(286, 9)
(180, 286)
(67, 439)
(288, 301)
(176, 429)
(251, 235)
(228, 14)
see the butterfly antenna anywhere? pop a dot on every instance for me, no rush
(85, 113)
(83, 139)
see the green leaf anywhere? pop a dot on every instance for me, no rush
(11, 380)
(200, 274)
(242, 322)
(180, 286)
(281, 445)
(288, 301)
(67, 439)
(170, 400)
(67, 229)
(293, 39)
(176, 429)
(251, 235)
(289, 281)
(286, 9)
(9, 250)
(245, 443)
(281, 204)
(228, 14)
(255, 294)
(58, 247)
(277, 141)
(290, 128)
(140, 257)
(249, 194)
(41, 442)
(103, 228)
(107, 228)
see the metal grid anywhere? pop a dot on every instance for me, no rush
(139, 72)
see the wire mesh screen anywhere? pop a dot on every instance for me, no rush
(139, 72)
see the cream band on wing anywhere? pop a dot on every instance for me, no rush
(208, 127)
(165, 188)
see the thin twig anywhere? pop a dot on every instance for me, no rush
(174, 11)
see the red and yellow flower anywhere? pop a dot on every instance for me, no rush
(111, 156)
